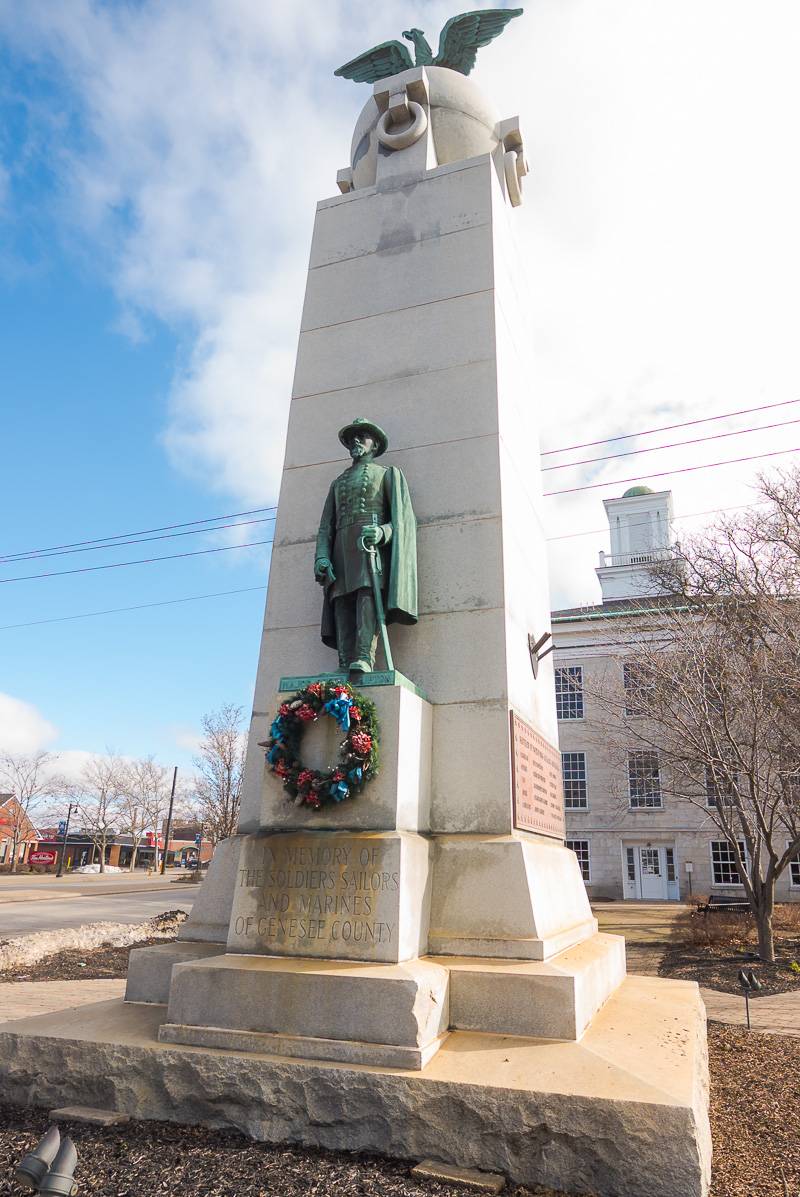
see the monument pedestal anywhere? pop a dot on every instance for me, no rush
(415, 971)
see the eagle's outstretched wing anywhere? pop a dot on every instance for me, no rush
(389, 58)
(463, 36)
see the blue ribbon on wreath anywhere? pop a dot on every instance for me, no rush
(339, 791)
(277, 731)
(339, 707)
(355, 775)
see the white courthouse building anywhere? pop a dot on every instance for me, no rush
(632, 840)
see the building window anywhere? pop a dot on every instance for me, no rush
(638, 681)
(723, 862)
(721, 785)
(794, 871)
(581, 850)
(569, 692)
(573, 772)
(644, 780)
(670, 855)
(3, 850)
(630, 861)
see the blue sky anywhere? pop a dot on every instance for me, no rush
(159, 166)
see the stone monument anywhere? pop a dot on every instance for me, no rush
(403, 958)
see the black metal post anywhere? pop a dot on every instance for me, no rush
(64, 841)
(169, 824)
(747, 1006)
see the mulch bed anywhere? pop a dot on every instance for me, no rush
(711, 948)
(156, 1157)
(75, 964)
(755, 1113)
(717, 967)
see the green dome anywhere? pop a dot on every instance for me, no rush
(633, 491)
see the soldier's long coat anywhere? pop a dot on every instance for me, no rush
(399, 556)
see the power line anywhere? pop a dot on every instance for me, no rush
(624, 436)
(142, 532)
(43, 554)
(89, 569)
(709, 465)
(189, 598)
(698, 440)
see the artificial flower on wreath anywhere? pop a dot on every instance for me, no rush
(358, 751)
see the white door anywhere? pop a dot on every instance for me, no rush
(651, 873)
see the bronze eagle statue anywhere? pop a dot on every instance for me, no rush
(459, 43)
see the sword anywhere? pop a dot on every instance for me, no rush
(376, 570)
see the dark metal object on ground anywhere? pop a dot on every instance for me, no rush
(60, 1180)
(750, 984)
(33, 1167)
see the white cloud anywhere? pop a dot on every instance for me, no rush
(659, 224)
(22, 728)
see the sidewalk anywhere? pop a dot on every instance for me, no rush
(26, 999)
(648, 927)
(44, 887)
(774, 1014)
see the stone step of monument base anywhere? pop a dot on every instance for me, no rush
(150, 969)
(347, 1051)
(389, 1015)
(382, 1014)
(553, 999)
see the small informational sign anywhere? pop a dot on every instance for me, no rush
(536, 781)
(198, 839)
(43, 856)
(62, 827)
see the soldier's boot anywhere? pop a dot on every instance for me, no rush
(366, 633)
(344, 613)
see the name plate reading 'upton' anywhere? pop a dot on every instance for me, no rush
(318, 894)
(536, 781)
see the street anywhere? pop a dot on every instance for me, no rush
(42, 907)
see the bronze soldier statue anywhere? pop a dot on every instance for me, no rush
(366, 555)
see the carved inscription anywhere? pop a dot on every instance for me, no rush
(536, 781)
(317, 894)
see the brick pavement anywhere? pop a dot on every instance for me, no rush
(24, 999)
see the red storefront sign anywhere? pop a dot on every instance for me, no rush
(43, 856)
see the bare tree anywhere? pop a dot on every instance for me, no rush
(98, 793)
(220, 766)
(30, 779)
(711, 682)
(144, 795)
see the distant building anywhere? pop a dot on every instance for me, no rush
(15, 826)
(631, 840)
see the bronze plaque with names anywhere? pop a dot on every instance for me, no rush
(536, 784)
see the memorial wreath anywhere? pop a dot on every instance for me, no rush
(358, 751)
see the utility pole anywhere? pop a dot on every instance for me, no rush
(169, 823)
(64, 840)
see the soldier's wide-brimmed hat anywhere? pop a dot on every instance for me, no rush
(360, 424)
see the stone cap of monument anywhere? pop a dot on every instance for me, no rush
(463, 123)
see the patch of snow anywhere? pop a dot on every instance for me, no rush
(95, 868)
(30, 949)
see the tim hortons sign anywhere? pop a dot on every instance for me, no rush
(43, 857)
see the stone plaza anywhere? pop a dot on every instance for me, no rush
(415, 969)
